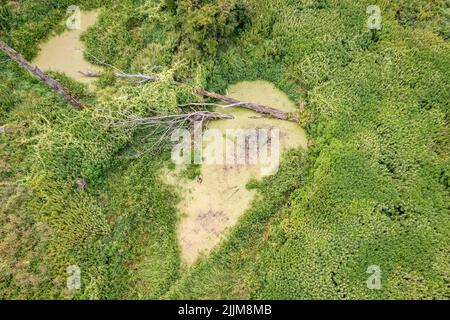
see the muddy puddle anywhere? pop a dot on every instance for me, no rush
(64, 52)
(213, 203)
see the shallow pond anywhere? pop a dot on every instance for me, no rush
(212, 204)
(64, 52)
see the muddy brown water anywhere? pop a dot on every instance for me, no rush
(213, 204)
(64, 52)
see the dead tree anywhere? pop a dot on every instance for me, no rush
(271, 112)
(141, 78)
(38, 73)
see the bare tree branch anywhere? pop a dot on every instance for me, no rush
(164, 125)
(142, 78)
(267, 110)
(170, 120)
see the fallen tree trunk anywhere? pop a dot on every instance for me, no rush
(272, 112)
(38, 73)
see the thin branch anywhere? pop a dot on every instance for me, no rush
(164, 125)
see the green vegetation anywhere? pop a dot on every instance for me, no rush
(372, 190)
